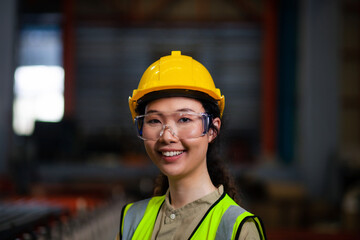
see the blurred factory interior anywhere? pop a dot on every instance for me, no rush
(290, 71)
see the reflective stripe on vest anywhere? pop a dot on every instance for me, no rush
(228, 219)
(136, 211)
(222, 220)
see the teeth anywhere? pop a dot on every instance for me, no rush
(171, 154)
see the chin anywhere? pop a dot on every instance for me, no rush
(171, 173)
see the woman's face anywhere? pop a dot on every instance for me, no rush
(178, 158)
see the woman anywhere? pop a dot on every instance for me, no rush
(177, 111)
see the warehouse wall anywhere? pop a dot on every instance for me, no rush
(318, 93)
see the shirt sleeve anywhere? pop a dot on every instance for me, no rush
(117, 237)
(249, 231)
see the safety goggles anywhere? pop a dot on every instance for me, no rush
(182, 124)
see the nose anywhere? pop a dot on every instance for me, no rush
(168, 136)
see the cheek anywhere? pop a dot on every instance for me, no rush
(149, 148)
(199, 145)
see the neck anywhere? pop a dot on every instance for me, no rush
(187, 190)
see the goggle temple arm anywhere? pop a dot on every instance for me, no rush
(207, 121)
(139, 126)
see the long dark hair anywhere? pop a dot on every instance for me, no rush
(217, 169)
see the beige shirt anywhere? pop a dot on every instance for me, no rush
(178, 224)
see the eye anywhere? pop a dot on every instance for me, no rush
(185, 120)
(153, 121)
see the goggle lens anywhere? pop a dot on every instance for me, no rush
(183, 125)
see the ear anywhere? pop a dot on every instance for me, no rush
(213, 134)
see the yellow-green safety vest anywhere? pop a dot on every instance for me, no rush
(223, 220)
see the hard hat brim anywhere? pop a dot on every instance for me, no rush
(139, 97)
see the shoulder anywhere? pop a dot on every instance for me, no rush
(230, 205)
(247, 226)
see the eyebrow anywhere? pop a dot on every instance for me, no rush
(185, 110)
(178, 110)
(152, 111)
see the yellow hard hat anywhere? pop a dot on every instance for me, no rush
(176, 72)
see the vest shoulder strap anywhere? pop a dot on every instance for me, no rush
(224, 221)
(234, 218)
(132, 214)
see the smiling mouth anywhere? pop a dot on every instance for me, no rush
(171, 153)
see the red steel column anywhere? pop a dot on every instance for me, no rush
(269, 107)
(68, 57)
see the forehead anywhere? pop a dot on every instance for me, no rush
(174, 104)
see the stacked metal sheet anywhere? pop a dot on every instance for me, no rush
(41, 221)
